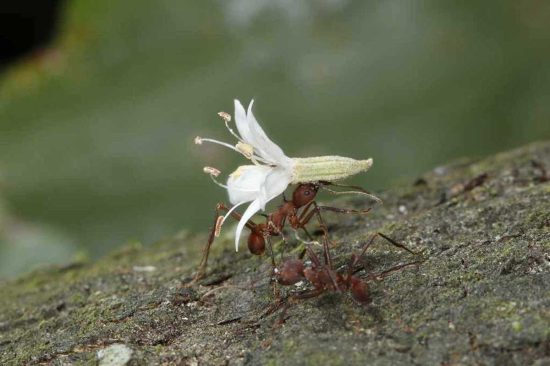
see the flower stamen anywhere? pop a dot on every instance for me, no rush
(200, 140)
(212, 171)
(226, 119)
(225, 116)
(241, 147)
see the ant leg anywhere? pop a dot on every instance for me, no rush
(354, 258)
(326, 269)
(309, 236)
(306, 216)
(387, 272)
(308, 294)
(317, 213)
(278, 231)
(285, 244)
(313, 209)
(273, 308)
(300, 223)
(303, 219)
(206, 250)
(267, 239)
(309, 240)
(399, 245)
(305, 242)
(215, 228)
(286, 304)
(298, 296)
(275, 288)
(313, 257)
(281, 320)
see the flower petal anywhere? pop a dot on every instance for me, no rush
(253, 134)
(250, 211)
(275, 184)
(244, 184)
(242, 123)
(266, 148)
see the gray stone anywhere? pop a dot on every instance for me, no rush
(482, 295)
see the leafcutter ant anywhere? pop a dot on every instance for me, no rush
(297, 211)
(267, 176)
(324, 278)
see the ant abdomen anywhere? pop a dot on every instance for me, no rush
(360, 290)
(291, 272)
(256, 243)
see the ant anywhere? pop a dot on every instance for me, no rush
(297, 212)
(323, 277)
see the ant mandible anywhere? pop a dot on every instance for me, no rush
(323, 277)
(298, 212)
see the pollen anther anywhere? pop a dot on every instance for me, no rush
(212, 171)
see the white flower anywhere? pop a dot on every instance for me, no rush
(272, 171)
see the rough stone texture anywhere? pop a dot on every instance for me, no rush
(481, 297)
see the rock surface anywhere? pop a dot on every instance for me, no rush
(482, 296)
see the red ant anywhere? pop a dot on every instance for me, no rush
(323, 277)
(298, 212)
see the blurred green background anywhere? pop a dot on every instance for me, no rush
(96, 130)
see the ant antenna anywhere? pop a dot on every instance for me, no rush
(356, 190)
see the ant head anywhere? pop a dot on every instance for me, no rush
(291, 272)
(304, 194)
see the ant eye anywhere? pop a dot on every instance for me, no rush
(307, 193)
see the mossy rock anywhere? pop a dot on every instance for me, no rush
(482, 296)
